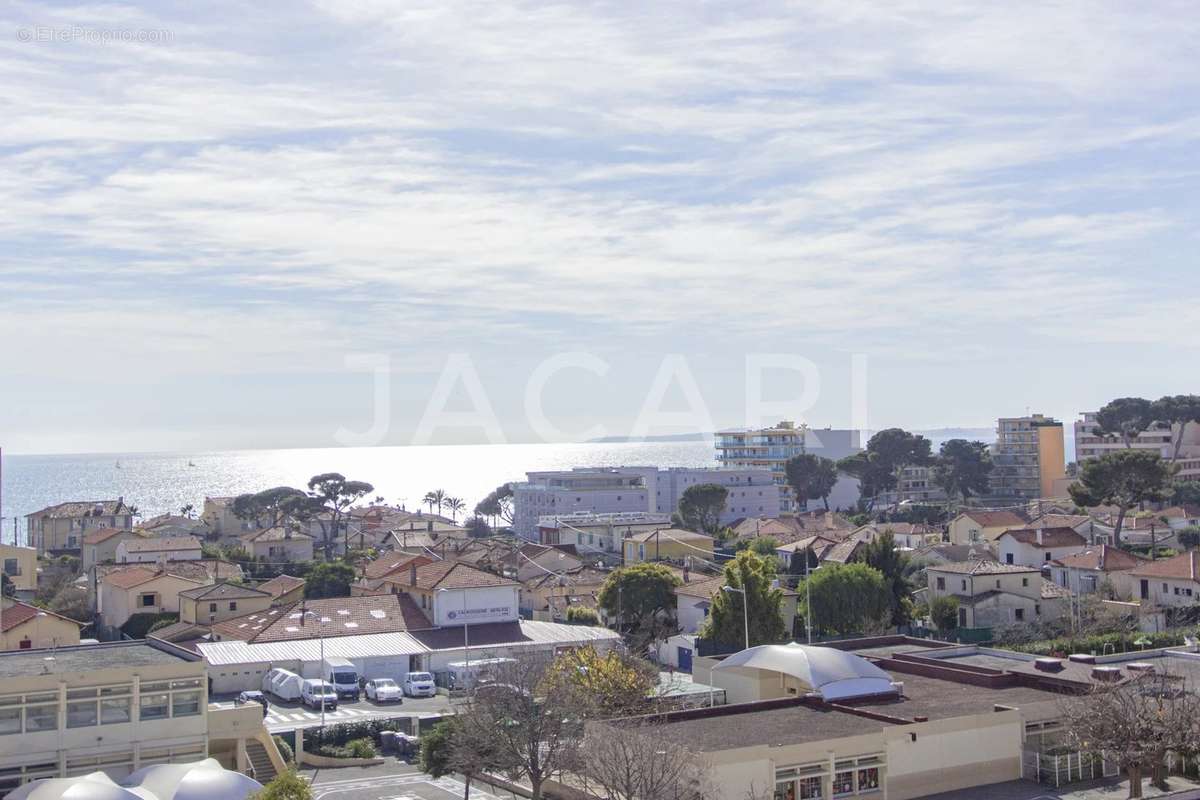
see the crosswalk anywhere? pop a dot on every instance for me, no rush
(340, 714)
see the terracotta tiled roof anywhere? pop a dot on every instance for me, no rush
(161, 544)
(996, 519)
(389, 563)
(102, 535)
(980, 567)
(222, 591)
(454, 575)
(819, 545)
(1060, 520)
(1102, 558)
(704, 589)
(276, 534)
(17, 613)
(128, 578)
(1185, 566)
(1050, 537)
(340, 616)
(83, 508)
(281, 585)
(1051, 590)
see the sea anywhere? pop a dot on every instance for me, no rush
(158, 483)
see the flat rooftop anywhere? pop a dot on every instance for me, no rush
(748, 725)
(86, 658)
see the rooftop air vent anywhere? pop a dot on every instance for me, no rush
(1140, 668)
(1048, 664)
(1106, 674)
(1082, 658)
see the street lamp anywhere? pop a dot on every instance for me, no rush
(321, 637)
(745, 611)
(466, 638)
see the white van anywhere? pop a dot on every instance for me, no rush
(282, 683)
(342, 674)
(316, 693)
(419, 684)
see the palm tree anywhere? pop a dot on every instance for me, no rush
(455, 505)
(439, 497)
(187, 511)
(430, 498)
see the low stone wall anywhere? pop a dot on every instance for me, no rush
(314, 760)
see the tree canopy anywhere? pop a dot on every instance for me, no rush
(726, 621)
(611, 685)
(847, 598)
(701, 505)
(811, 477)
(882, 554)
(963, 468)
(285, 786)
(1125, 418)
(497, 505)
(888, 452)
(329, 579)
(641, 597)
(944, 612)
(1123, 478)
(336, 494)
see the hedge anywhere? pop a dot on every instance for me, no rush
(328, 740)
(138, 625)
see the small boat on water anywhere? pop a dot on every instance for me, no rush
(118, 465)
(191, 463)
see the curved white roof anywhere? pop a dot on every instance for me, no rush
(833, 674)
(196, 780)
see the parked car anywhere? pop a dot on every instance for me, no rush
(253, 697)
(419, 684)
(342, 674)
(317, 692)
(384, 690)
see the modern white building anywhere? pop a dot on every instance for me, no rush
(637, 489)
(1088, 444)
(770, 449)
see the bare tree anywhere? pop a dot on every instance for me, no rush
(1135, 723)
(636, 763)
(533, 724)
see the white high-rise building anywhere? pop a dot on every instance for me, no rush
(1088, 444)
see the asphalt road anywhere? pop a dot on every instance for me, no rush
(392, 781)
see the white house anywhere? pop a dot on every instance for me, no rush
(1030, 547)
(168, 548)
(1168, 582)
(1088, 570)
(990, 593)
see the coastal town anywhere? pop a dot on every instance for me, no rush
(819, 614)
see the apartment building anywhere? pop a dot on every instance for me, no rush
(140, 550)
(1089, 444)
(770, 449)
(60, 528)
(1029, 457)
(637, 489)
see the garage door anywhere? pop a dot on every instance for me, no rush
(395, 667)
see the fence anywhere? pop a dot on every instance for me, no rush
(1060, 769)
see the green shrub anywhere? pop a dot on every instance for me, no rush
(285, 749)
(582, 615)
(1098, 644)
(361, 748)
(138, 625)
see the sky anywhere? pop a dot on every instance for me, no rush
(212, 215)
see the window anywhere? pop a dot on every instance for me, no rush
(212, 608)
(1047, 556)
(185, 704)
(10, 721)
(114, 711)
(1019, 613)
(25, 644)
(1008, 558)
(1024, 581)
(964, 586)
(843, 783)
(41, 718)
(941, 583)
(154, 706)
(81, 714)
(12, 566)
(146, 601)
(868, 780)
(233, 605)
(1037, 609)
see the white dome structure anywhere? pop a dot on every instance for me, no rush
(197, 780)
(832, 674)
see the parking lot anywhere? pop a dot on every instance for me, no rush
(393, 781)
(289, 715)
